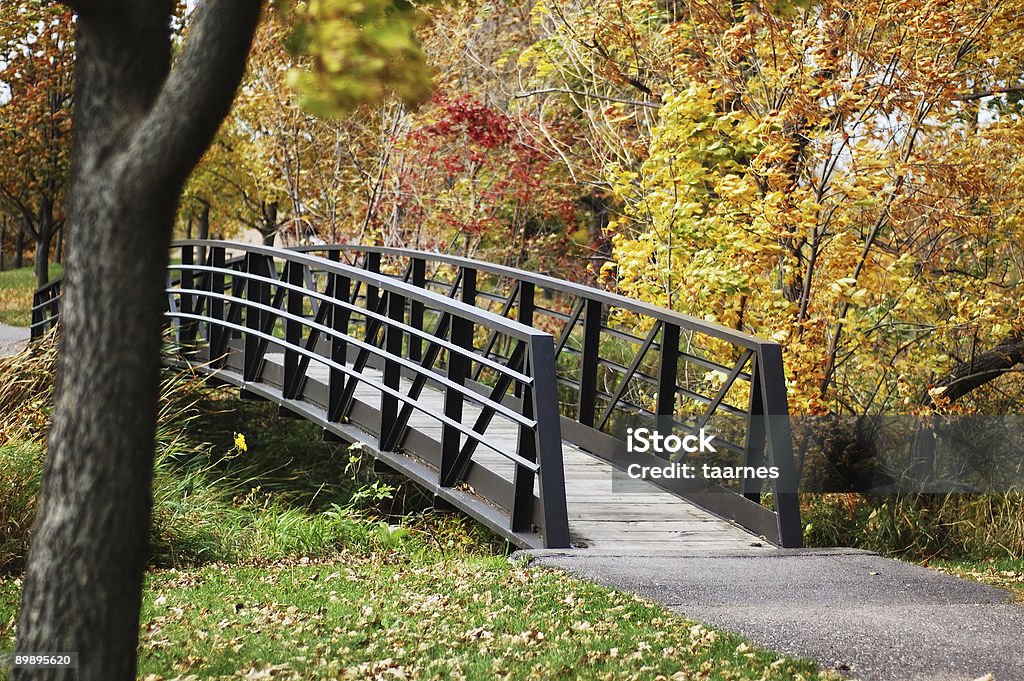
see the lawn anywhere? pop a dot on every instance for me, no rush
(420, 614)
(276, 555)
(1005, 573)
(16, 289)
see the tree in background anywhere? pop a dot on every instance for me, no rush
(36, 66)
(839, 176)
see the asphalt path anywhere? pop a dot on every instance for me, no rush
(12, 339)
(872, 618)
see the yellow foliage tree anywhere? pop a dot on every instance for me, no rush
(838, 176)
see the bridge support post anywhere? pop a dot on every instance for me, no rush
(187, 327)
(418, 276)
(468, 286)
(218, 334)
(257, 292)
(665, 407)
(293, 275)
(393, 337)
(458, 372)
(779, 440)
(755, 449)
(549, 443)
(587, 400)
(340, 288)
(524, 315)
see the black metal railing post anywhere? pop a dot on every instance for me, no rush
(587, 399)
(371, 263)
(258, 293)
(418, 278)
(755, 447)
(668, 369)
(541, 357)
(188, 328)
(217, 332)
(340, 289)
(526, 446)
(779, 440)
(393, 338)
(293, 275)
(37, 315)
(457, 373)
(234, 314)
(468, 286)
(524, 315)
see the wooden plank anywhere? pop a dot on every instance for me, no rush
(605, 510)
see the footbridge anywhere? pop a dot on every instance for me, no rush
(510, 395)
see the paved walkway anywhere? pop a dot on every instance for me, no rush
(870, 617)
(12, 339)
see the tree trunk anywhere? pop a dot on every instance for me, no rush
(138, 132)
(42, 266)
(58, 254)
(268, 222)
(204, 232)
(3, 239)
(982, 369)
(19, 250)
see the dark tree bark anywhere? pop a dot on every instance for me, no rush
(139, 128)
(19, 250)
(3, 241)
(268, 222)
(43, 235)
(204, 229)
(982, 369)
(967, 376)
(58, 252)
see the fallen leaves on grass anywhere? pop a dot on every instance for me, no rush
(393, 616)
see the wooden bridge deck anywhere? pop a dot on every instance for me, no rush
(606, 511)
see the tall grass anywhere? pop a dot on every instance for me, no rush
(920, 526)
(284, 493)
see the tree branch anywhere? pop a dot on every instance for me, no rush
(974, 96)
(195, 97)
(982, 369)
(566, 91)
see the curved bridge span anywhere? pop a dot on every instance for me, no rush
(507, 394)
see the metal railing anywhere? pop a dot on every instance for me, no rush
(362, 353)
(625, 364)
(482, 333)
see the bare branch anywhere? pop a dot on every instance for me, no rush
(974, 96)
(566, 91)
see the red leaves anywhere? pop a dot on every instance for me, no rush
(483, 126)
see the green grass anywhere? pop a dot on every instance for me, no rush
(16, 289)
(1005, 573)
(278, 558)
(421, 615)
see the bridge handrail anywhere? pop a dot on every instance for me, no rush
(226, 314)
(767, 433)
(680, 319)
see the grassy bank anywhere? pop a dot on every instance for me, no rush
(406, 613)
(920, 527)
(275, 555)
(1004, 573)
(16, 289)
